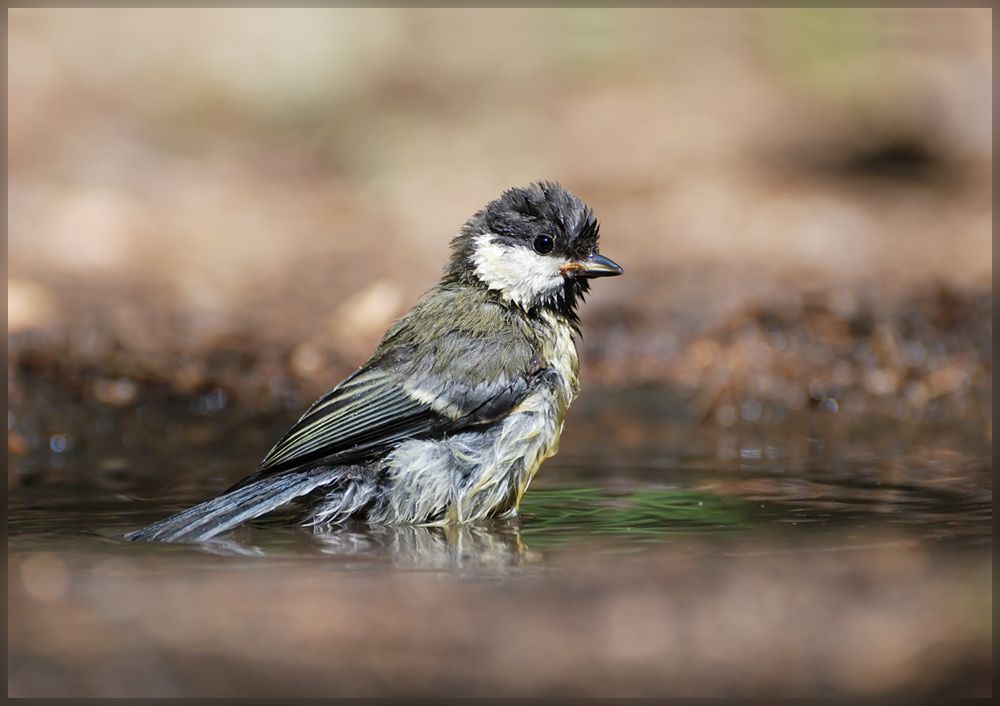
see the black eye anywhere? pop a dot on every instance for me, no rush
(543, 245)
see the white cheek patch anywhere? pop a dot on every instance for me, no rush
(518, 273)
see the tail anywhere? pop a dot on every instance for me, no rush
(204, 521)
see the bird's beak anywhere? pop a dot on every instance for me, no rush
(593, 266)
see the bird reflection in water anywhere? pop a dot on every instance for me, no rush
(494, 544)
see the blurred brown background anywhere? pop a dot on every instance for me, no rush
(278, 185)
(221, 210)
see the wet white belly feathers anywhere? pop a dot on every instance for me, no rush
(477, 474)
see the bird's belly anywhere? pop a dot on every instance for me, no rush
(475, 474)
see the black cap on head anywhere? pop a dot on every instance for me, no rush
(545, 220)
(544, 207)
(524, 213)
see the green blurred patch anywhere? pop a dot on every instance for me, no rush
(839, 53)
(552, 517)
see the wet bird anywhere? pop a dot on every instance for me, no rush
(463, 399)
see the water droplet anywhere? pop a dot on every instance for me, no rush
(210, 403)
(750, 410)
(61, 443)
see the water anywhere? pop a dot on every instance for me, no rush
(653, 556)
(759, 490)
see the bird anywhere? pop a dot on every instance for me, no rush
(465, 396)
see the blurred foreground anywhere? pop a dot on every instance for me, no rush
(676, 620)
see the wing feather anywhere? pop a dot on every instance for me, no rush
(353, 420)
(414, 386)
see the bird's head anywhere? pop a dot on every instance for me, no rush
(535, 246)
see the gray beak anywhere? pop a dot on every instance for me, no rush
(593, 266)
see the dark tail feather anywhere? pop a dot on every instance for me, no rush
(204, 521)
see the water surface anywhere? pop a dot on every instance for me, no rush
(652, 555)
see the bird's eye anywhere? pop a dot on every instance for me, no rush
(543, 245)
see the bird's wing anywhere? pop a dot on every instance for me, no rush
(441, 368)
(362, 415)
(394, 399)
